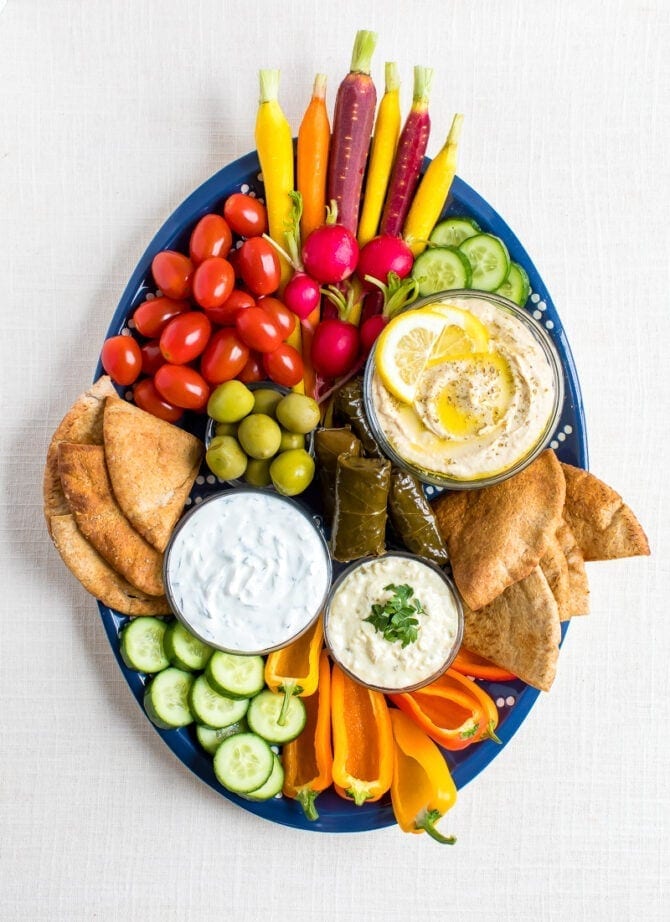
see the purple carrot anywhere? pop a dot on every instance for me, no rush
(352, 132)
(409, 156)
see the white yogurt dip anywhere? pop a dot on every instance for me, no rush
(364, 651)
(247, 571)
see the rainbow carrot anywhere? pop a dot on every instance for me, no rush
(312, 159)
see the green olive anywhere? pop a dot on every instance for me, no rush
(266, 400)
(292, 471)
(225, 429)
(259, 436)
(258, 472)
(230, 402)
(225, 458)
(291, 440)
(298, 413)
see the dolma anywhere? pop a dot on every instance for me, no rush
(350, 407)
(359, 520)
(329, 444)
(413, 518)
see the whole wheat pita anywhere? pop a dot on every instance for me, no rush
(554, 565)
(578, 601)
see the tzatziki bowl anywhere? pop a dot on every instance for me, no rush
(247, 571)
(464, 389)
(393, 623)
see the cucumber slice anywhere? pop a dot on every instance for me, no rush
(263, 716)
(489, 259)
(441, 268)
(184, 650)
(453, 231)
(212, 709)
(516, 286)
(235, 675)
(142, 645)
(210, 740)
(243, 763)
(166, 699)
(272, 786)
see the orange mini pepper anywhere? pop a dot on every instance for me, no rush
(362, 740)
(422, 789)
(471, 664)
(308, 759)
(294, 670)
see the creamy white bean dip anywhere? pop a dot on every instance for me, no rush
(247, 571)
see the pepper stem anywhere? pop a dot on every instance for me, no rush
(290, 689)
(306, 798)
(427, 823)
(491, 734)
(358, 795)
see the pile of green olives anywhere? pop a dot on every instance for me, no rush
(260, 436)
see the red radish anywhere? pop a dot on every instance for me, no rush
(370, 330)
(335, 347)
(352, 132)
(302, 294)
(330, 253)
(382, 255)
(409, 156)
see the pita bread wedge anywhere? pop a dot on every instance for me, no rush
(83, 424)
(496, 536)
(604, 527)
(86, 485)
(519, 631)
(96, 576)
(578, 583)
(152, 466)
(554, 565)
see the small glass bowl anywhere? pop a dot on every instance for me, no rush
(444, 480)
(449, 653)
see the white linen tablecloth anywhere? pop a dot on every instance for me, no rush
(110, 114)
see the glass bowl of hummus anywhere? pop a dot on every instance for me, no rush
(393, 623)
(481, 406)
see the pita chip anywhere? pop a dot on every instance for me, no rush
(82, 424)
(152, 466)
(95, 574)
(519, 631)
(88, 491)
(604, 527)
(497, 535)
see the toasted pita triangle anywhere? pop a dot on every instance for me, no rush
(554, 565)
(578, 599)
(82, 424)
(152, 465)
(519, 631)
(604, 527)
(96, 576)
(86, 485)
(497, 535)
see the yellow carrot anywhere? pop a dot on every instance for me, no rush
(384, 143)
(432, 192)
(312, 158)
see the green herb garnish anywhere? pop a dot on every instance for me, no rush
(395, 619)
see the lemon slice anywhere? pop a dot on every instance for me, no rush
(404, 348)
(472, 326)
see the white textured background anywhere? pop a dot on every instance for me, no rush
(110, 113)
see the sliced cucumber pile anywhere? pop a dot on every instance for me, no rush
(223, 696)
(461, 255)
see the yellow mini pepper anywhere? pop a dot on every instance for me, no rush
(294, 670)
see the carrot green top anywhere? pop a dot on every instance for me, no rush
(391, 77)
(423, 81)
(364, 47)
(269, 85)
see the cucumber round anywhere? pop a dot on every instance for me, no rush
(235, 675)
(210, 740)
(184, 650)
(272, 786)
(453, 231)
(142, 644)
(516, 286)
(441, 269)
(263, 716)
(166, 699)
(243, 763)
(212, 709)
(489, 259)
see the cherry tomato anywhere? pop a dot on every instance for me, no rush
(284, 365)
(172, 273)
(259, 266)
(258, 330)
(211, 236)
(253, 369)
(151, 317)
(224, 357)
(147, 398)
(282, 316)
(213, 282)
(236, 301)
(122, 359)
(181, 386)
(185, 337)
(245, 215)
(152, 357)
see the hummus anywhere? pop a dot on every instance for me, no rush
(364, 651)
(477, 415)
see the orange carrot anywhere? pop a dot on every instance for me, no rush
(312, 158)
